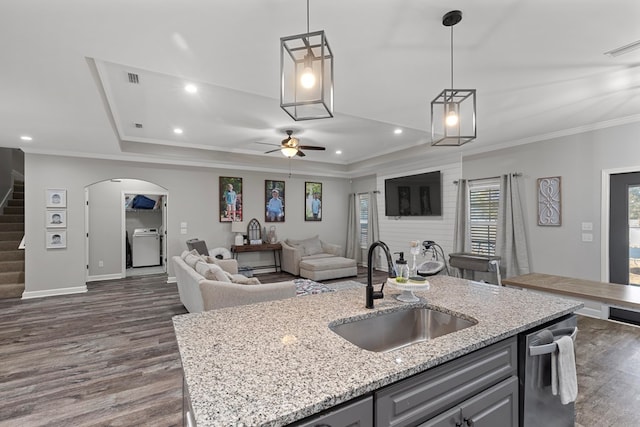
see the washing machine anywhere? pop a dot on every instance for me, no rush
(145, 247)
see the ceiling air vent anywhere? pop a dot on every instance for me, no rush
(138, 125)
(133, 78)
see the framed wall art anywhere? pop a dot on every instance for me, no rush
(549, 201)
(230, 199)
(56, 239)
(56, 218)
(56, 198)
(274, 201)
(313, 201)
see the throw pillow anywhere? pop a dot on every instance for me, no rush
(297, 243)
(312, 246)
(243, 280)
(192, 258)
(211, 272)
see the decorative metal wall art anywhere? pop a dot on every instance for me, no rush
(549, 201)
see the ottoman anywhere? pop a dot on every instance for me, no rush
(328, 268)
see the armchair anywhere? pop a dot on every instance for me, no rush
(316, 260)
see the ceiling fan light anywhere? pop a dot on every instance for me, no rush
(289, 151)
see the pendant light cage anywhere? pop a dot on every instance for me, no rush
(453, 111)
(300, 54)
(461, 102)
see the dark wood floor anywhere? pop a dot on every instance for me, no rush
(106, 357)
(109, 357)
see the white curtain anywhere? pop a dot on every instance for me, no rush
(511, 240)
(374, 228)
(462, 231)
(353, 229)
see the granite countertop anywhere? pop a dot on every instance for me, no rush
(274, 363)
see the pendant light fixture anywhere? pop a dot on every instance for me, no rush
(453, 111)
(306, 75)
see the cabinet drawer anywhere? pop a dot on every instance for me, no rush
(356, 414)
(420, 397)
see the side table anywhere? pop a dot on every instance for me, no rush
(276, 248)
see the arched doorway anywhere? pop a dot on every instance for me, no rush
(125, 229)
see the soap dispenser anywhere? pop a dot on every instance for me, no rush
(402, 269)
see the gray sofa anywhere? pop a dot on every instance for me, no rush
(198, 293)
(315, 259)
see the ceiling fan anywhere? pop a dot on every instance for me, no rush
(290, 146)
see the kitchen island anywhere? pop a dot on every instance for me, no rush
(274, 363)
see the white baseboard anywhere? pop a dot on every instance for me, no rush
(172, 280)
(54, 292)
(591, 312)
(104, 277)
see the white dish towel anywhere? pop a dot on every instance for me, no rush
(563, 371)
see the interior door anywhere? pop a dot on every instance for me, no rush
(624, 228)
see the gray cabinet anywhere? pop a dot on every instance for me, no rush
(355, 414)
(445, 387)
(495, 407)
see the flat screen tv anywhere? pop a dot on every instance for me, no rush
(414, 195)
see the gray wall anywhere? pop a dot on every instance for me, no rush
(363, 184)
(192, 198)
(11, 162)
(579, 160)
(6, 165)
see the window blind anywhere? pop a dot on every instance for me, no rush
(364, 220)
(483, 221)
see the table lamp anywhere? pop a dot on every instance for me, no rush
(239, 228)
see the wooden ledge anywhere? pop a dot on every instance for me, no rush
(609, 293)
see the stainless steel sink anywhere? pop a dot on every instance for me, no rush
(397, 329)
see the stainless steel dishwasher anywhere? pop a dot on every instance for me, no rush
(538, 406)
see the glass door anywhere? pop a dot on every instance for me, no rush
(624, 229)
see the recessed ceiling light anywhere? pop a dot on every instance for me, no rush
(191, 88)
(177, 131)
(338, 151)
(26, 138)
(397, 131)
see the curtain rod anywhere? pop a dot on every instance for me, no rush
(514, 174)
(367, 192)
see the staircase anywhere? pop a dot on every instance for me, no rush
(11, 258)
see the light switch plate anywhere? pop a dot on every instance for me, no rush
(587, 226)
(587, 237)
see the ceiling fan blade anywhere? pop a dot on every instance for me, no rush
(271, 151)
(266, 143)
(300, 154)
(312, 147)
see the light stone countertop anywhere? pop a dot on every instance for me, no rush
(277, 362)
